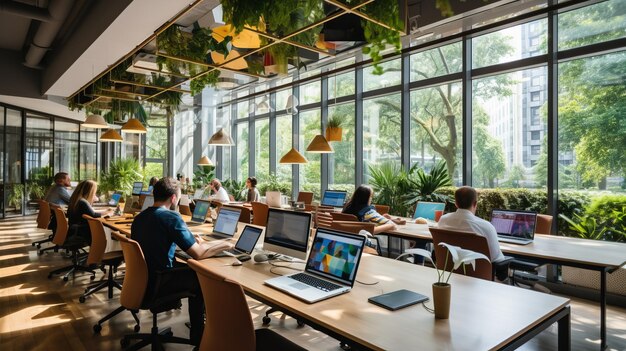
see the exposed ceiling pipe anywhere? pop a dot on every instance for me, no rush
(24, 10)
(47, 31)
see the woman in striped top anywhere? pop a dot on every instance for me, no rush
(360, 205)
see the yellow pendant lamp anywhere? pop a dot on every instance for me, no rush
(221, 138)
(320, 145)
(292, 157)
(111, 135)
(134, 126)
(204, 161)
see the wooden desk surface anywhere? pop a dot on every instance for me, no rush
(483, 316)
(550, 247)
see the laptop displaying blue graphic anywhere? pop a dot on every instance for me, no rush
(334, 198)
(115, 198)
(427, 209)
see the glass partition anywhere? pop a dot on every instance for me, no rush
(39, 157)
(14, 186)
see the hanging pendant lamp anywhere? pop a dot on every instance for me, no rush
(134, 126)
(221, 138)
(292, 105)
(111, 135)
(204, 161)
(292, 157)
(95, 121)
(320, 145)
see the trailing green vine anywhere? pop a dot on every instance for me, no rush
(377, 36)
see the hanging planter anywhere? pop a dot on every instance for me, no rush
(334, 131)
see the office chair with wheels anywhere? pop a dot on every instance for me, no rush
(43, 221)
(226, 306)
(184, 210)
(75, 247)
(306, 197)
(470, 241)
(355, 228)
(135, 296)
(544, 226)
(338, 216)
(97, 255)
(382, 209)
(53, 227)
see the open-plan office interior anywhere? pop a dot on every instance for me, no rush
(340, 140)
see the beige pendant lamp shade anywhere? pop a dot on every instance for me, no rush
(134, 126)
(320, 145)
(95, 121)
(204, 161)
(292, 157)
(111, 135)
(292, 105)
(221, 138)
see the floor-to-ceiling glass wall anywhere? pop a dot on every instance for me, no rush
(39, 158)
(66, 148)
(13, 185)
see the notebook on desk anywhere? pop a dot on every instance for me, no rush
(330, 268)
(515, 227)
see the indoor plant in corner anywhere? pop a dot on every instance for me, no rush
(442, 289)
(333, 128)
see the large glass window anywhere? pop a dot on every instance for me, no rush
(381, 132)
(310, 93)
(592, 24)
(342, 161)
(436, 128)
(38, 163)
(284, 135)
(436, 62)
(341, 85)
(390, 77)
(156, 148)
(504, 139)
(14, 188)
(242, 151)
(510, 44)
(310, 173)
(262, 149)
(66, 148)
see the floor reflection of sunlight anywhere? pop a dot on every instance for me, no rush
(12, 256)
(15, 270)
(19, 290)
(29, 318)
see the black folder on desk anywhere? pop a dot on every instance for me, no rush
(397, 299)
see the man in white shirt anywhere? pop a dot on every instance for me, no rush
(465, 219)
(219, 193)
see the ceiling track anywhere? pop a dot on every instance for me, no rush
(143, 85)
(204, 64)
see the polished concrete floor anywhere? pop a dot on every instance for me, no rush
(37, 313)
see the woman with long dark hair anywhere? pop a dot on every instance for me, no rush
(360, 205)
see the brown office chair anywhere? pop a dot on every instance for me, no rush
(184, 210)
(543, 226)
(112, 259)
(142, 198)
(53, 227)
(306, 197)
(226, 306)
(338, 216)
(466, 240)
(322, 218)
(382, 209)
(135, 296)
(260, 211)
(244, 215)
(355, 228)
(43, 221)
(74, 246)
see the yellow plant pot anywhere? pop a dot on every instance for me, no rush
(333, 134)
(441, 300)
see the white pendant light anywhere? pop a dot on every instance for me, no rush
(263, 107)
(292, 105)
(95, 121)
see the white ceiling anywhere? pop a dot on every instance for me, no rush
(54, 105)
(138, 21)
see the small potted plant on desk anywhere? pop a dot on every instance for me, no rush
(442, 289)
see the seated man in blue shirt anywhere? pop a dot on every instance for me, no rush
(158, 231)
(58, 194)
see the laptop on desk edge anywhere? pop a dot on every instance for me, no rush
(338, 268)
(247, 241)
(514, 226)
(199, 213)
(225, 225)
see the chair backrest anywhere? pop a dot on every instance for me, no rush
(338, 216)
(226, 306)
(353, 227)
(306, 197)
(62, 226)
(322, 218)
(544, 224)
(43, 218)
(98, 240)
(184, 210)
(260, 211)
(382, 209)
(142, 198)
(465, 240)
(136, 277)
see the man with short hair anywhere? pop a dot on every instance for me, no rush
(58, 194)
(158, 231)
(219, 193)
(465, 219)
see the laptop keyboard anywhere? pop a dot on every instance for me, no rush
(315, 282)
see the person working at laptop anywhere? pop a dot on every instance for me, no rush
(158, 230)
(58, 194)
(360, 205)
(465, 219)
(219, 193)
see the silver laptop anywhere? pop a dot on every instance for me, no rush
(272, 198)
(516, 227)
(225, 224)
(199, 213)
(330, 268)
(247, 241)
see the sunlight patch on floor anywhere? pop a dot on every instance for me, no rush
(32, 317)
(19, 290)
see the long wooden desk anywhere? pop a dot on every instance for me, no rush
(602, 256)
(483, 315)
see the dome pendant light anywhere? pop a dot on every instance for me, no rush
(292, 157)
(134, 126)
(111, 135)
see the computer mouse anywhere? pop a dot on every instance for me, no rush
(260, 258)
(237, 263)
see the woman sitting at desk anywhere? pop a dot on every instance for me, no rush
(80, 204)
(253, 192)
(360, 205)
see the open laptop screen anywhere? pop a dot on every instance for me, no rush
(226, 222)
(427, 209)
(248, 239)
(115, 199)
(199, 213)
(334, 198)
(335, 255)
(516, 224)
(137, 187)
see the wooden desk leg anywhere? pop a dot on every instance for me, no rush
(564, 332)
(603, 344)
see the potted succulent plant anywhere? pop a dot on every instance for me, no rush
(333, 128)
(442, 289)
